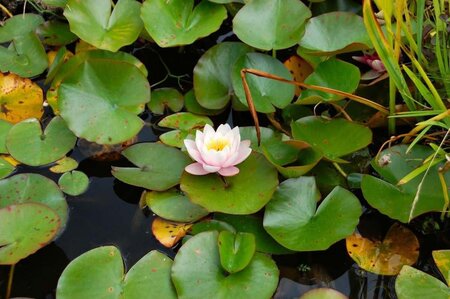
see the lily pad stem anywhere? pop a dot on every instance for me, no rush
(5, 10)
(339, 168)
(224, 180)
(10, 281)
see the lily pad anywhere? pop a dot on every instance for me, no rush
(64, 165)
(271, 24)
(292, 219)
(4, 129)
(415, 284)
(173, 205)
(333, 138)
(212, 74)
(101, 98)
(193, 106)
(322, 36)
(442, 260)
(267, 136)
(74, 182)
(27, 143)
(300, 70)
(33, 188)
(329, 74)
(323, 293)
(211, 225)
(16, 223)
(56, 33)
(6, 168)
(20, 98)
(236, 250)
(99, 273)
(159, 166)
(266, 93)
(396, 200)
(19, 25)
(177, 22)
(168, 233)
(400, 247)
(253, 224)
(185, 121)
(96, 24)
(55, 3)
(198, 263)
(245, 193)
(163, 98)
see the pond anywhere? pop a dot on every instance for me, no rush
(224, 149)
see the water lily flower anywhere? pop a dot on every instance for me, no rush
(217, 151)
(374, 62)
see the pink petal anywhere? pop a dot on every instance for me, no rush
(362, 59)
(378, 66)
(243, 152)
(229, 171)
(210, 168)
(192, 150)
(195, 169)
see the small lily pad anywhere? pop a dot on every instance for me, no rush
(16, 223)
(173, 205)
(96, 24)
(245, 193)
(20, 98)
(292, 219)
(400, 247)
(168, 233)
(159, 166)
(442, 260)
(333, 138)
(64, 165)
(415, 284)
(74, 182)
(185, 121)
(178, 22)
(99, 273)
(198, 263)
(236, 250)
(165, 98)
(27, 143)
(323, 293)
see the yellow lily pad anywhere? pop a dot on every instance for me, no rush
(442, 260)
(20, 98)
(300, 70)
(64, 165)
(400, 247)
(168, 233)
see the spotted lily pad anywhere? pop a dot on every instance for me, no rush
(198, 263)
(101, 97)
(27, 143)
(396, 200)
(245, 193)
(400, 247)
(173, 205)
(20, 98)
(96, 24)
(271, 24)
(292, 219)
(33, 188)
(168, 233)
(415, 284)
(266, 93)
(74, 182)
(322, 36)
(165, 98)
(177, 22)
(16, 223)
(64, 165)
(300, 70)
(99, 273)
(333, 138)
(212, 74)
(159, 166)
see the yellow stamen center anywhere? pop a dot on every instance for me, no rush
(217, 144)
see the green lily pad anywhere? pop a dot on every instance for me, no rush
(99, 99)
(212, 74)
(198, 263)
(159, 166)
(266, 93)
(174, 138)
(323, 293)
(55, 3)
(6, 168)
(94, 22)
(396, 200)
(271, 24)
(163, 98)
(323, 37)
(253, 224)
(74, 182)
(27, 143)
(211, 225)
(414, 284)
(236, 250)
(4, 130)
(329, 74)
(292, 219)
(99, 273)
(33, 188)
(62, 55)
(245, 193)
(177, 22)
(193, 106)
(56, 33)
(267, 136)
(19, 25)
(173, 205)
(442, 260)
(64, 165)
(333, 138)
(16, 223)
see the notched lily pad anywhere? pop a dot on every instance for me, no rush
(74, 182)
(236, 250)
(64, 165)
(165, 98)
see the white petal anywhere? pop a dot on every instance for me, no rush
(223, 129)
(192, 150)
(210, 168)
